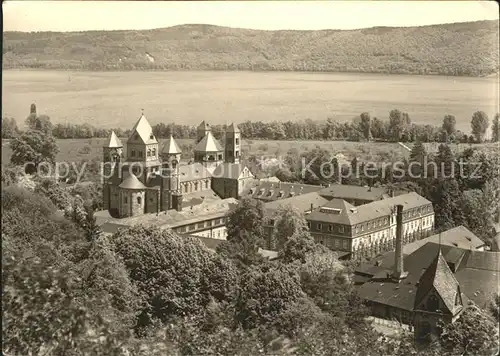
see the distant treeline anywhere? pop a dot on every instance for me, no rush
(398, 127)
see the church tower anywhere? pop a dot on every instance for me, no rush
(202, 131)
(112, 156)
(232, 148)
(142, 147)
(171, 194)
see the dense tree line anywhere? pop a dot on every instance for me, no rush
(397, 127)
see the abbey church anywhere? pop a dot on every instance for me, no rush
(146, 178)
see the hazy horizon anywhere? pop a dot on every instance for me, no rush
(71, 16)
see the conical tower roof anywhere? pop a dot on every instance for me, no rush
(232, 128)
(132, 182)
(171, 147)
(144, 131)
(114, 141)
(204, 126)
(208, 144)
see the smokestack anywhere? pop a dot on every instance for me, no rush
(399, 273)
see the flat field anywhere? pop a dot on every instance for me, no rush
(74, 150)
(115, 99)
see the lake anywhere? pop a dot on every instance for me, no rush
(115, 99)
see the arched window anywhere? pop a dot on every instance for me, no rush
(211, 158)
(154, 152)
(149, 153)
(195, 186)
(140, 153)
(185, 188)
(139, 200)
(132, 153)
(206, 184)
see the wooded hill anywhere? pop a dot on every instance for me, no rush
(468, 49)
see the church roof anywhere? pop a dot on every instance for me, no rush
(439, 276)
(114, 141)
(171, 146)
(208, 144)
(232, 128)
(132, 182)
(144, 130)
(204, 126)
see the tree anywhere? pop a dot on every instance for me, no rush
(175, 276)
(245, 222)
(9, 128)
(288, 221)
(297, 247)
(495, 129)
(449, 124)
(474, 333)
(32, 148)
(479, 124)
(418, 155)
(264, 293)
(365, 125)
(398, 123)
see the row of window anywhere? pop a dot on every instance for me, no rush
(331, 227)
(193, 187)
(201, 225)
(150, 153)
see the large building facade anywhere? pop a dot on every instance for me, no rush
(144, 178)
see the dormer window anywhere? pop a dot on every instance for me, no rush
(270, 193)
(151, 137)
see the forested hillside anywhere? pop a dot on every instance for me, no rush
(469, 49)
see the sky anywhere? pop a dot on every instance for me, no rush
(30, 16)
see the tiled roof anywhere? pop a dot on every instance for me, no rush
(458, 236)
(208, 144)
(199, 197)
(353, 192)
(478, 274)
(270, 191)
(438, 276)
(114, 141)
(193, 171)
(230, 170)
(144, 130)
(171, 147)
(132, 182)
(232, 128)
(370, 211)
(301, 202)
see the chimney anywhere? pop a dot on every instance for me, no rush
(391, 193)
(311, 207)
(399, 273)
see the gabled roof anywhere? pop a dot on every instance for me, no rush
(478, 273)
(373, 210)
(144, 130)
(132, 182)
(208, 144)
(171, 147)
(440, 277)
(229, 170)
(114, 141)
(204, 126)
(232, 128)
(301, 202)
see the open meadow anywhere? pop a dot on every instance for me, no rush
(115, 99)
(74, 150)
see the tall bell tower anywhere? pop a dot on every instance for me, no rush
(112, 156)
(171, 194)
(232, 146)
